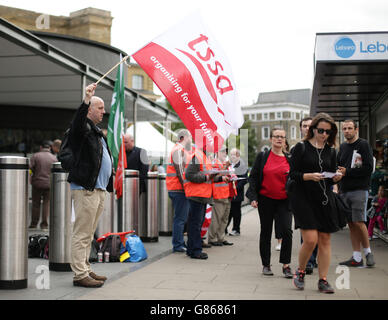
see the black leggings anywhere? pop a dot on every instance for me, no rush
(269, 209)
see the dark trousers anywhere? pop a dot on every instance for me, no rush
(235, 214)
(268, 210)
(37, 195)
(194, 225)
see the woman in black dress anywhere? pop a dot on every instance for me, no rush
(312, 200)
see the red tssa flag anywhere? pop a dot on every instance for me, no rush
(207, 221)
(192, 71)
(122, 164)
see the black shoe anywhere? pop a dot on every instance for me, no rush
(227, 243)
(309, 269)
(202, 256)
(287, 272)
(324, 286)
(352, 263)
(216, 244)
(267, 271)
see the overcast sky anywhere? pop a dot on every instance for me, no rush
(270, 44)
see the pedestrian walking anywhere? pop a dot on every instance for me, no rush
(355, 162)
(267, 192)
(179, 159)
(40, 165)
(312, 199)
(90, 177)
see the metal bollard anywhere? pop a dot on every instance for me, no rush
(60, 220)
(148, 219)
(130, 216)
(13, 222)
(165, 208)
(105, 223)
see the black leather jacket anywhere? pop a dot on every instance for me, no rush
(85, 141)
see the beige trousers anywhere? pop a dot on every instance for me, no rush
(88, 206)
(220, 216)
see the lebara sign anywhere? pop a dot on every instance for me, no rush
(345, 47)
(355, 46)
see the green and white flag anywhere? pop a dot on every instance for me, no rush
(116, 117)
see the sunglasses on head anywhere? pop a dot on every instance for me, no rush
(321, 131)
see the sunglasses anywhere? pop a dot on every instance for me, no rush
(321, 131)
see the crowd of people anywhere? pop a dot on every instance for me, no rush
(304, 185)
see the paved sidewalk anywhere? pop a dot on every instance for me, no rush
(234, 272)
(230, 273)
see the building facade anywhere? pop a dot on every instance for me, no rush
(282, 109)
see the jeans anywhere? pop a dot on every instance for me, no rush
(195, 220)
(181, 211)
(268, 210)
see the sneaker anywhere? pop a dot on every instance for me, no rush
(384, 232)
(375, 237)
(32, 228)
(227, 243)
(299, 279)
(216, 243)
(278, 247)
(180, 250)
(309, 269)
(324, 286)
(88, 282)
(370, 261)
(287, 272)
(352, 263)
(234, 233)
(267, 271)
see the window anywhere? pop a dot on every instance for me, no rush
(137, 82)
(265, 116)
(293, 132)
(265, 133)
(278, 115)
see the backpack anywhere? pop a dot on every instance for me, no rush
(65, 155)
(38, 246)
(95, 248)
(112, 244)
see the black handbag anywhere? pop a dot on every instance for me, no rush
(343, 210)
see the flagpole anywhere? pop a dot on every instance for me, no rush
(122, 60)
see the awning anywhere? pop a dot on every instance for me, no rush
(351, 74)
(36, 74)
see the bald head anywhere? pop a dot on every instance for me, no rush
(96, 109)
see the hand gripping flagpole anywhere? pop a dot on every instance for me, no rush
(121, 61)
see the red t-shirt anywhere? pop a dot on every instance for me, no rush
(274, 177)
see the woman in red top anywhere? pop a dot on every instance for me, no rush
(267, 192)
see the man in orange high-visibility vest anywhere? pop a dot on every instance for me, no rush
(221, 207)
(179, 159)
(199, 191)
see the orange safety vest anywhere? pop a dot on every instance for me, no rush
(172, 181)
(220, 189)
(202, 190)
